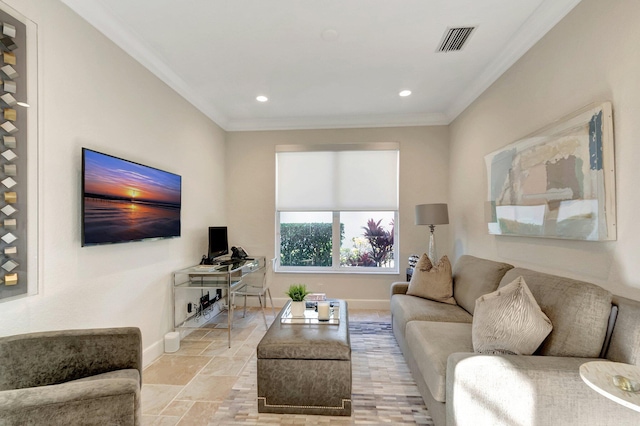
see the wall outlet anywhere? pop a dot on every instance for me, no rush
(204, 301)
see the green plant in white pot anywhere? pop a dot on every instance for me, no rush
(297, 293)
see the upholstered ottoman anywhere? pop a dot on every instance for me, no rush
(305, 368)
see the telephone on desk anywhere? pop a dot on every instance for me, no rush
(237, 253)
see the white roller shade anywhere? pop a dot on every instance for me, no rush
(342, 179)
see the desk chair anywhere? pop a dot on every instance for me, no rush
(259, 291)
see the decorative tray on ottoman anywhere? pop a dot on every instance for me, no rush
(311, 315)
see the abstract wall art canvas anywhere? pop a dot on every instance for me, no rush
(557, 183)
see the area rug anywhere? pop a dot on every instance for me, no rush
(383, 390)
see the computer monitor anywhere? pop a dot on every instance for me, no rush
(218, 241)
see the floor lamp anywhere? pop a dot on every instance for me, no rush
(432, 215)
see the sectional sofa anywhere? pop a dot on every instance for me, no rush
(461, 387)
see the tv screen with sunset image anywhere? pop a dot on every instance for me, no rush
(126, 201)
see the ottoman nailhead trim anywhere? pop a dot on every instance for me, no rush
(303, 406)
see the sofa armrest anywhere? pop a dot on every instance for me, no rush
(53, 357)
(399, 287)
(525, 390)
(105, 401)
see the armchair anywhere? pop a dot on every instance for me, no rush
(89, 376)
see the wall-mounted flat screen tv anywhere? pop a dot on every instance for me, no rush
(126, 201)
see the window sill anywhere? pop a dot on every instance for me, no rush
(336, 271)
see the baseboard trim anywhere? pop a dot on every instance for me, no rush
(152, 352)
(379, 305)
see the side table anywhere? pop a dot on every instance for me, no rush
(599, 375)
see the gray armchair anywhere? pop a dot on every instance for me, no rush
(92, 377)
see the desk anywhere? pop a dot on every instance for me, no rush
(599, 376)
(205, 277)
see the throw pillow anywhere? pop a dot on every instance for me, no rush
(509, 321)
(432, 282)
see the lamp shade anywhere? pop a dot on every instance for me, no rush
(432, 214)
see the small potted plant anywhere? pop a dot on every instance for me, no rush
(297, 293)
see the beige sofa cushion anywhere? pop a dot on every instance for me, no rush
(473, 277)
(579, 312)
(406, 308)
(489, 390)
(509, 321)
(432, 282)
(431, 343)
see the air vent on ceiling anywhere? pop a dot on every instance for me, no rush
(455, 38)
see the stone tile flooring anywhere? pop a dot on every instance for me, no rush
(188, 386)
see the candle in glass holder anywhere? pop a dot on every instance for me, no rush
(323, 311)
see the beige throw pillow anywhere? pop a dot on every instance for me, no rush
(432, 282)
(509, 321)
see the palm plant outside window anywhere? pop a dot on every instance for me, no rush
(337, 208)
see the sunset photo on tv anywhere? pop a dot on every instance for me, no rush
(126, 201)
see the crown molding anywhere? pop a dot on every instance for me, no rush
(338, 122)
(109, 24)
(545, 17)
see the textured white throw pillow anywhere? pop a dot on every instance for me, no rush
(509, 321)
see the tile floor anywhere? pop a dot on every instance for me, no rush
(186, 387)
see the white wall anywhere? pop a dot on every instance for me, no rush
(591, 55)
(251, 201)
(94, 95)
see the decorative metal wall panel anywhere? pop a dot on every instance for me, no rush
(13, 158)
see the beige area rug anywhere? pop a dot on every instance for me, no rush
(383, 390)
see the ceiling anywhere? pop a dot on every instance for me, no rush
(324, 64)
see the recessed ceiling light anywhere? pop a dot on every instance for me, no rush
(262, 98)
(329, 34)
(405, 93)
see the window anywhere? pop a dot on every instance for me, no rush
(337, 207)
